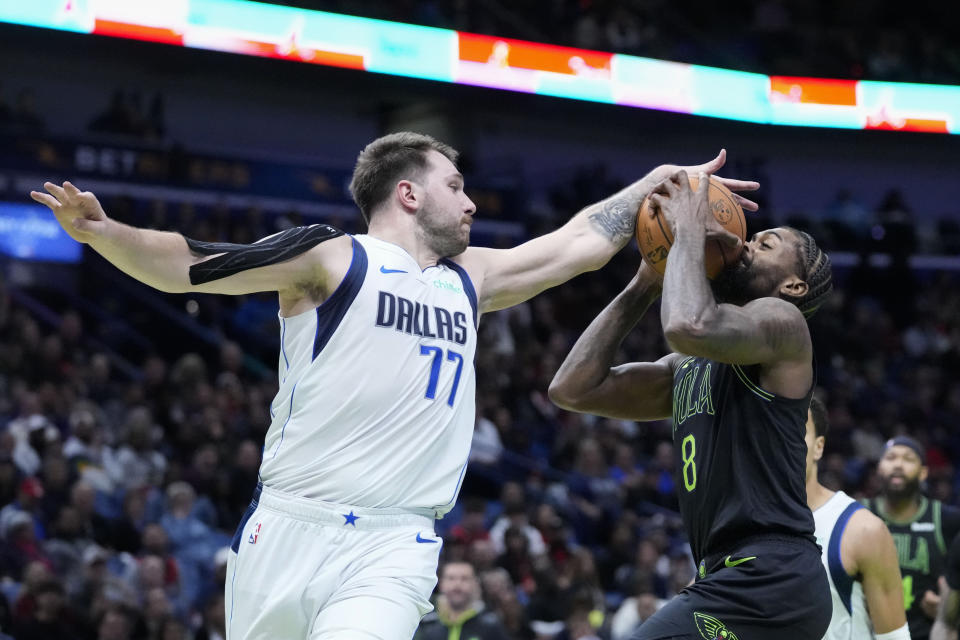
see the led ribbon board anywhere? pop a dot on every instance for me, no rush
(316, 37)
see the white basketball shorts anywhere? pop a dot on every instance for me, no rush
(312, 570)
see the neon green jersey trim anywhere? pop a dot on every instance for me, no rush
(766, 395)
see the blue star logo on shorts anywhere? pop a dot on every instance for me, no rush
(350, 518)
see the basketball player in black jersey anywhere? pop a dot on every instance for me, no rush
(922, 529)
(738, 386)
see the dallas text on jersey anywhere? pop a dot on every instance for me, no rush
(417, 319)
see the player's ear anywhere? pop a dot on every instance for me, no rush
(924, 472)
(409, 195)
(794, 287)
(818, 446)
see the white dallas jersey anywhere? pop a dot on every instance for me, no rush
(376, 400)
(850, 620)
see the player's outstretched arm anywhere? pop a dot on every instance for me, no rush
(869, 543)
(764, 331)
(169, 262)
(588, 382)
(505, 277)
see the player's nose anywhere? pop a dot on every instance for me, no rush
(470, 207)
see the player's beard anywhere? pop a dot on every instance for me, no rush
(734, 285)
(909, 491)
(441, 231)
(741, 283)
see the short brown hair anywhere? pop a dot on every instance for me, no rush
(821, 424)
(386, 160)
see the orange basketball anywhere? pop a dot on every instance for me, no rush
(655, 238)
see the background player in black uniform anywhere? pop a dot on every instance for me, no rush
(921, 529)
(738, 388)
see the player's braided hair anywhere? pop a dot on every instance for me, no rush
(814, 267)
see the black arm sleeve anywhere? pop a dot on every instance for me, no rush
(270, 250)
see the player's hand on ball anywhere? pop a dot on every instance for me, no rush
(680, 204)
(78, 212)
(710, 168)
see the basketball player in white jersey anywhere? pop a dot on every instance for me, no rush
(372, 423)
(858, 553)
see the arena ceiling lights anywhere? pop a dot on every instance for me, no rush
(315, 37)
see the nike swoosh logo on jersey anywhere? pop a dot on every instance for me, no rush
(383, 269)
(732, 563)
(422, 540)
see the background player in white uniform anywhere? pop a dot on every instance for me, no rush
(373, 419)
(858, 553)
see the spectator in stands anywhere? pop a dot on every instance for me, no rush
(459, 610)
(28, 430)
(214, 620)
(94, 526)
(102, 388)
(23, 589)
(514, 504)
(21, 546)
(205, 478)
(486, 447)
(51, 617)
(482, 555)
(172, 628)
(28, 503)
(632, 612)
(128, 529)
(116, 623)
(66, 543)
(156, 609)
(151, 574)
(186, 532)
(555, 535)
(154, 542)
(517, 559)
(472, 525)
(619, 550)
(86, 448)
(242, 479)
(549, 604)
(645, 570)
(8, 470)
(137, 463)
(97, 586)
(55, 475)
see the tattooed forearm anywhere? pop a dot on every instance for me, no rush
(616, 219)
